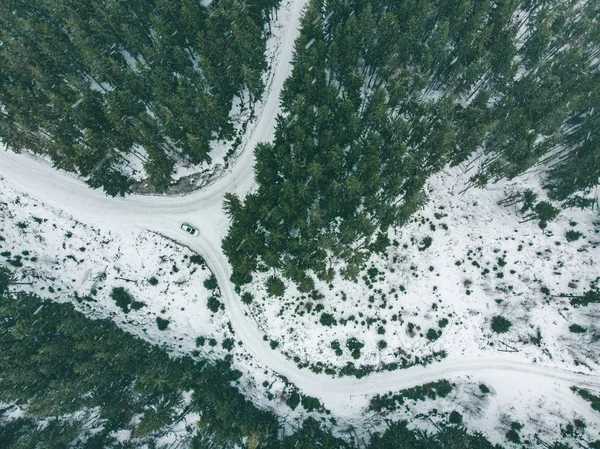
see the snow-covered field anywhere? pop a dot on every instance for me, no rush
(481, 262)
(65, 260)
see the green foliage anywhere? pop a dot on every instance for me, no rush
(214, 304)
(572, 235)
(6, 279)
(327, 319)
(162, 323)
(228, 344)
(513, 436)
(593, 399)
(124, 300)
(247, 298)
(354, 345)
(293, 400)
(58, 362)
(577, 329)
(455, 417)
(430, 390)
(275, 286)
(443, 322)
(309, 403)
(433, 335)
(197, 259)
(374, 106)
(500, 325)
(211, 283)
(111, 76)
(335, 345)
(153, 280)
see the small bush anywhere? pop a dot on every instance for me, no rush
(381, 330)
(484, 388)
(500, 325)
(382, 344)
(455, 417)
(162, 323)
(513, 436)
(577, 329)
(211, 283)
(425, 243)
(213, 304)
(275, 286)
(293, 400)
(354, 346)
(274, 344)
(309, 403)
(137, 305)
(571, 235)
(433, 335)
(153, 280)
(200, 341)
(197, 259)
(228, 344)
(327, 319)
(335, 345)
(247, 298)
(122, 298)
(443, 323)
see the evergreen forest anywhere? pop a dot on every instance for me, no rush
(384, 94)
(98, 84)
(82, 382)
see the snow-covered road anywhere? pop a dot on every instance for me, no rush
(203, 209)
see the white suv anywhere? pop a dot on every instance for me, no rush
(189, 229)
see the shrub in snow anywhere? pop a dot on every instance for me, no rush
(443, 322)
(327, 319)
(275, 286)
(247, 298)
(213, 304)
(382, 344)
(500, 324)
(197, 259)
(355, 346)
(153, 280)
(228, 344)
(124, 300)
(200, 341)
(455, 417)
(162, 323)
(309, 403)
(484, 388)
(433, 335)
(335, 345)
(425, 243)
(577, 329)
(293, 400)
(211, 283)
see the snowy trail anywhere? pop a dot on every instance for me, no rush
(203, 209)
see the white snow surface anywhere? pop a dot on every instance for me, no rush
(346, 397)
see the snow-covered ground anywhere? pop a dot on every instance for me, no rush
(481, 262)
(60, 258)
